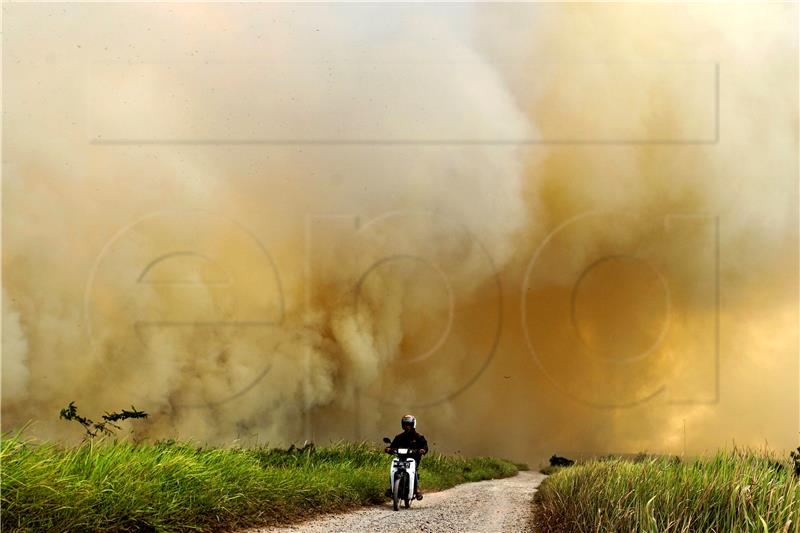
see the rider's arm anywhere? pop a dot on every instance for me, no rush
(393, 446)
(423, 444)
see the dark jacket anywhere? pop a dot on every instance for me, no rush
(410, 439)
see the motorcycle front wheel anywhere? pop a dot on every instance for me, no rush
(406, 486)
(396, 493)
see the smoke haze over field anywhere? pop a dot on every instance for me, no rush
(539, 228)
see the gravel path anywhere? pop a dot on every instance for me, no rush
(494, 506)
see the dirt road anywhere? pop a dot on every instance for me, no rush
(493, 506)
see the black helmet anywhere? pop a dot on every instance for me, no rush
(408, 419)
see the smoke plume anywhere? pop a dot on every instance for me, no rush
(538, 228)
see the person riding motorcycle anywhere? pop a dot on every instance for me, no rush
(409, 438)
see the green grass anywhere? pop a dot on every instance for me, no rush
(550, 470)
(121, 486)
(731, 491)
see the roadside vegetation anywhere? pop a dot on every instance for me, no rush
(738, 490)
(109, 485)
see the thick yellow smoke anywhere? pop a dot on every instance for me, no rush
(661, 277)
(540, 228)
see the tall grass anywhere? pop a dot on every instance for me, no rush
(731, 491)
(121, 486)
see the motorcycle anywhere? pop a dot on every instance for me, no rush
(403, 477)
